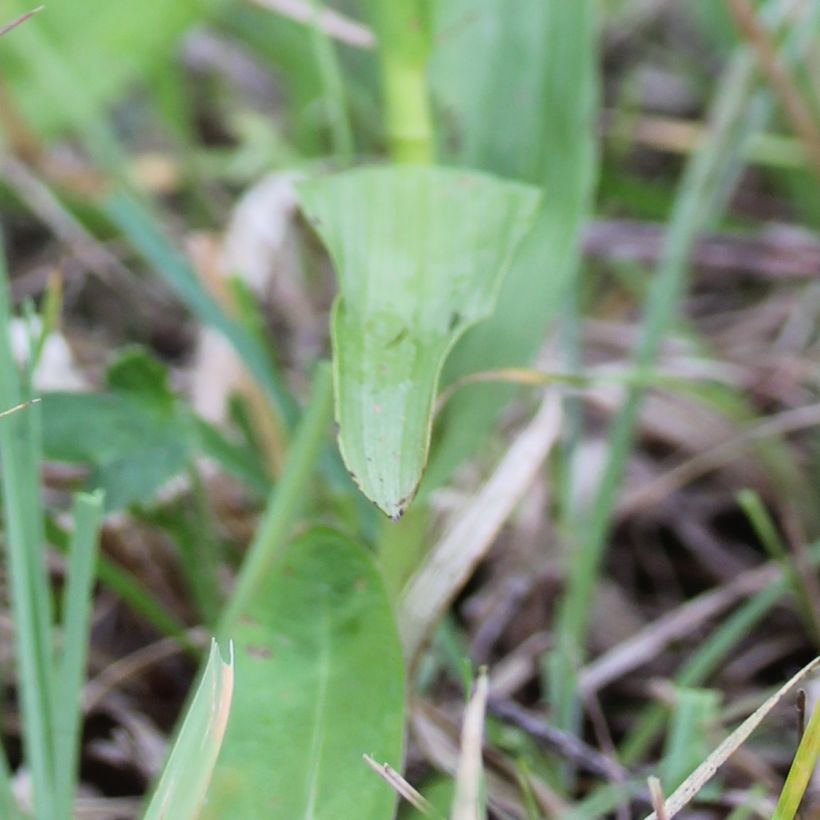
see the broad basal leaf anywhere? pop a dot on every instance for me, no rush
(420, 254)
(319, 683)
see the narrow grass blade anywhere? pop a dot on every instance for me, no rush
(467, 802)
(450, 562)
(72, 662)
(684, 794)
(125, 585)
(30, 599)
(182, 787)
(105, 43)
(420, 254)
(801, 770)
(696, 711)
(766, 531)
(695, 672)
(285, 501)
(320, 682)
(737, 112)
(142, 230)
(330, 71)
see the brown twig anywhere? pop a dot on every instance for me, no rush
(561, 743)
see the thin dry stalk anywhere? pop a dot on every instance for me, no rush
(675, 625)
(22, 19)
(453, 559)
(467, 799)
(63, 224)
(789, 421)
(690, 787)
(116, 674)
(399, 785)
(335, 25)
(658, 800)
(563, 744)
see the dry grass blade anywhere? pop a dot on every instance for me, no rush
(649, 642)
(453, 559)
(46, 205)
(467, 799)
(706, 771)
(436, 736)
(400, 785)
(332, 23)
(656, 792)
(18, 407)
(120, 671)
(789, 421)
(22, 19)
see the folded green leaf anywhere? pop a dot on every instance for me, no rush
(181, 790)
(420, 254)
(319, 683)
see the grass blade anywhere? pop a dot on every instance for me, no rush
(30, 598)
(72, 663)
(182, 787)
(544, 51)
(737, 112)
(684, 794)
(285, 500)
(142, 230)
(801, 770)
(467, 802)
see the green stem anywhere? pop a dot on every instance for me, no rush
(409, 121)
(403, 28)
(285, 501)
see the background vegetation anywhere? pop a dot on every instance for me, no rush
(551, 266)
